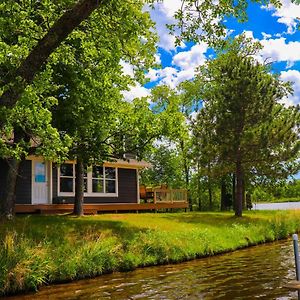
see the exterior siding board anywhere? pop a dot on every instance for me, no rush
(54, 181)
(23, 190)
(127, 188)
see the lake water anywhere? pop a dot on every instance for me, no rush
(276, 206)
(259, 272)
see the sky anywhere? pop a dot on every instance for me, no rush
(275, 28)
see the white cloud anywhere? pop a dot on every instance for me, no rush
(157, 58)
(137, 91)
(280, 50)
(163, 14)
(192, 58)
(168, 76)
(287, 14)
(266, 35)
(248, 34)
(293, 76)
(277, 50)
(183, 66)
(127, 68)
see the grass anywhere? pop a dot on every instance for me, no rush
(38, 250)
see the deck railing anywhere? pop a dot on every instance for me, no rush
(169, 195)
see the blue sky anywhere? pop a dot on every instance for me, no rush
(275, 28)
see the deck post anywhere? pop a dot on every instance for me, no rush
(296, 254)
(154, 199)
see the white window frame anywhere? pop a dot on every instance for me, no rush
(89, 183)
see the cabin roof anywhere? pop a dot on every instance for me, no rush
(120, 163)
(128, 163)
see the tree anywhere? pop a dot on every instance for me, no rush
(166, 167)
(130, 31)
(91, 108)
(247, 127)
(176, 125)
(31, 31)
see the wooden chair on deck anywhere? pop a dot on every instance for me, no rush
(146, 193)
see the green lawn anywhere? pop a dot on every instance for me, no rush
(36, 250)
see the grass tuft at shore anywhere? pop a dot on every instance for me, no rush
(37, 250)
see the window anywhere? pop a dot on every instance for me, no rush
(67, 178)
(110, 180)
(98, 181)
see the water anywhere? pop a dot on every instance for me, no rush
(255, 273)
(276, 206)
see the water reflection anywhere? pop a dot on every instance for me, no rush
(258, 272)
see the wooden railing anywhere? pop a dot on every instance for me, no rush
(169, 195)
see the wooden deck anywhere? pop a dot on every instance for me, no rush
(97, 208)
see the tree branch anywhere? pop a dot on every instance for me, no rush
(26, 72)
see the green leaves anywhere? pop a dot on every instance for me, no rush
(204, 20)
(242, 114)
(82, 80)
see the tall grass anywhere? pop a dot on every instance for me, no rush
(38, 250)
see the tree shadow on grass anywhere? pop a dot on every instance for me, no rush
(58, 229)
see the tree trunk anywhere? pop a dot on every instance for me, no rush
(209, 193)
(233, 190)
(199, 187)
(186, 172)
(7, 205)
(223, 194)
(244, 193)
(37, 57)
(79, 188)
(239, 188)
(9, 195)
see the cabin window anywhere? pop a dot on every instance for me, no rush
(98, 181)
(110, 180)
(66, 178)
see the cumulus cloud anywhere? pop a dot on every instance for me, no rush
(266, 35)
(183, 66)
(294, 77)
(163, 14)
(287, 14)
(136, 91)
(127, 68)
(280, 50)
(192, 58)
(277, 49)
(157, 58)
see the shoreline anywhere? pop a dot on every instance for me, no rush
(68, 249)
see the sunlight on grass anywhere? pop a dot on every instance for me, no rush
(43, 249)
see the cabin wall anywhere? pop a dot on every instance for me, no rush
(23, 190)
(127, 189)
(127, 186)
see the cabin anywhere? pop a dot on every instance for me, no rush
(45, 187)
